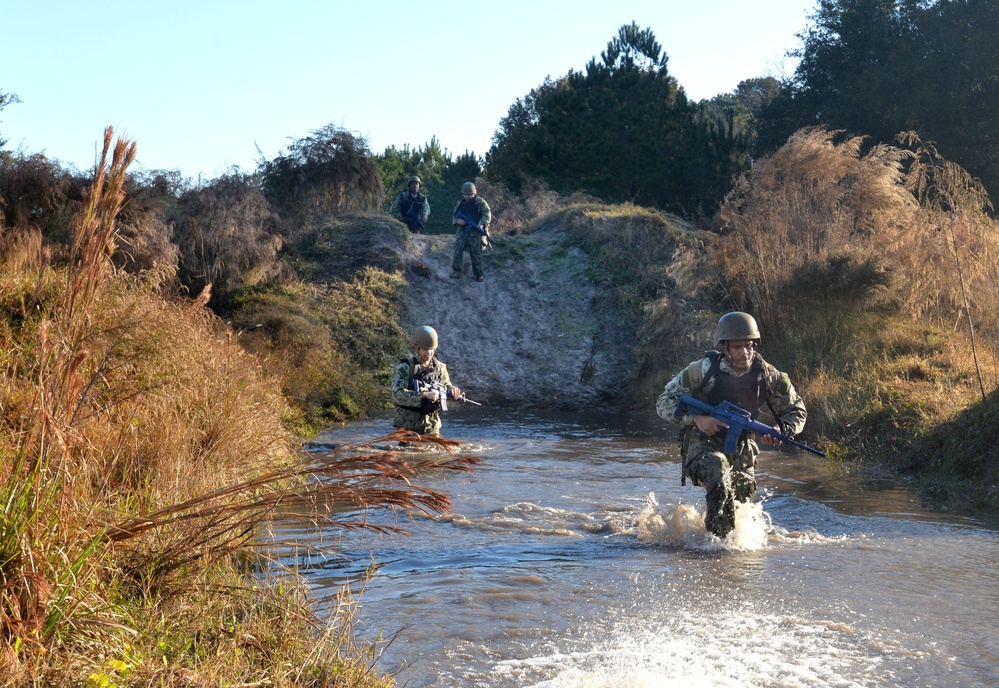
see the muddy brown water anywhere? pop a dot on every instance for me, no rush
(574, 558)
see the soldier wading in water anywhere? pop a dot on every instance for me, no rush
(421, 411)
(733, 372)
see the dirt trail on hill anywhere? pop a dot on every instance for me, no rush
(536, 332)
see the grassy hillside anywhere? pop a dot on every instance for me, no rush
(864, 270)
(144, 439)
(142, 450)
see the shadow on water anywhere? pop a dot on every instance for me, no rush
(573, 557)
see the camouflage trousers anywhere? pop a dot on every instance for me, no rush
(471, 241)
(412, 419)
(726, 479)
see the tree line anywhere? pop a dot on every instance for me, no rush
(622, 129)
(876, 68)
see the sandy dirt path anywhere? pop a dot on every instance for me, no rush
(538, 331)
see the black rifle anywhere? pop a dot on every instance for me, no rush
(419, 387)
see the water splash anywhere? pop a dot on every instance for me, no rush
(682, 525)
(737, 649)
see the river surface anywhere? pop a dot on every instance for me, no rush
(574, 558)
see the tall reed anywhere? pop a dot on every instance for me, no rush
(825, 238)
(46, 587)
(142, 451)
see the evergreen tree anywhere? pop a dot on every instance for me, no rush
(622, 130)
(5, 100)
(880, 67)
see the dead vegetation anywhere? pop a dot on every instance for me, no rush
(870, 272)
(142, 450)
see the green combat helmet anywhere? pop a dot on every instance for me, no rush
(425, 338)
(736, 326)
(468, 188)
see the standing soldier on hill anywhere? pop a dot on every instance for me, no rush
(733, 372)
(420, 411)
(472, 216)
(411, 207)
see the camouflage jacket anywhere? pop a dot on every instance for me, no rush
(418, 201)
(782, 397)
(412, 411)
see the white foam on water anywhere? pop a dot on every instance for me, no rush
(738, 650)
(682, 525)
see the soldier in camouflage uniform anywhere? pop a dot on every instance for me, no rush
(735, 372)
(465, 238)
(411, 207)
(421, 411)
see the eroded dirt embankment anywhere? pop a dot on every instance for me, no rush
(538, 331)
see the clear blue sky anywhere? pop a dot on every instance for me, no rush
(199, 85)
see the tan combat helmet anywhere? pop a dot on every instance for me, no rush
(468, 188)
(416, 179)
(425, 338)
(736, 325)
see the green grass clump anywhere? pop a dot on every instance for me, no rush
(330, 344)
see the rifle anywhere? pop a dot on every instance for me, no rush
(470, 223)
(419, 387)
(413, 220)
(738, 421)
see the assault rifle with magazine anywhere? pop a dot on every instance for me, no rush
(472, 224)
(738, 420)
(420, 387)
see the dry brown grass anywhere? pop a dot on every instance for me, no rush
(824, 243)
(873, 276)
(228, 236)
(129, 424)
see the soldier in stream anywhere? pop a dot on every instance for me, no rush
(418, 385)
(735, 372)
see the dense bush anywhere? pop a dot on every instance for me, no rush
(228, 237)
(329, 172)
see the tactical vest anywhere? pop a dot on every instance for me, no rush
(747, 391)
(411, 204)
(471, 208)
(750, 391)
(425, 374)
